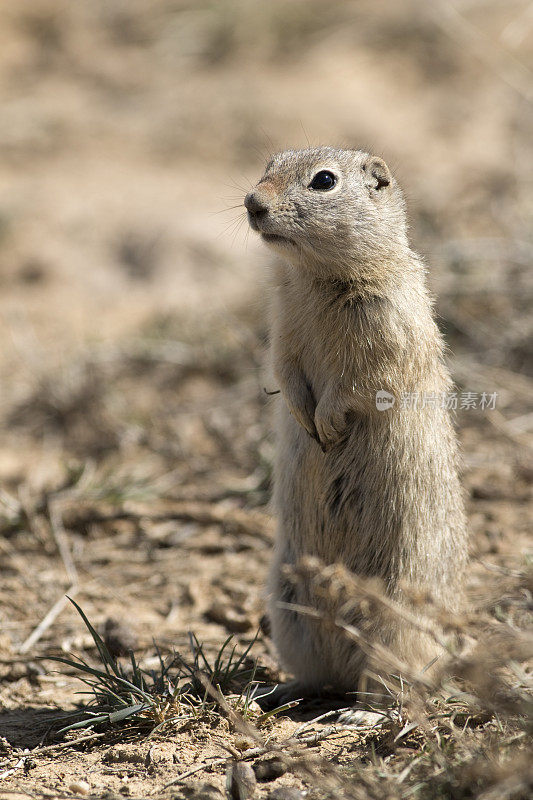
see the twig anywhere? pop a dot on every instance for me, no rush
(9, 772)
(48, 619)
(512, 573)
(243, 725)
(253, 752)
(319, 736)
(371, 649)
(516, 31)
(51, 748)
(61, 538)
(320, 718)
(205, 765)
(64, 745)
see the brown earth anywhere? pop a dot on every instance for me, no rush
(136, 438)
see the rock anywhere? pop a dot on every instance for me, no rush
(269, 769)
(119, 637)
(80, 787)
(240, 781)
(233, 620)
(205, 791)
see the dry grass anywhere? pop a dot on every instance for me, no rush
(136, 438)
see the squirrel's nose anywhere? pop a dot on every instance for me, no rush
(255, 205)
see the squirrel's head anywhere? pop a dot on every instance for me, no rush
(329, 210)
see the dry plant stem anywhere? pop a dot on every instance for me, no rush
(10, 502)
(380, 598)
(65, 745)
(256, 752)
(241, 724)
(320, 736)
(61, 539)
(52, 748)
(45, 623)
(288, 750)
(217, 762)
(20, 763)
(282, 750)
(372, 649)
(320, 718)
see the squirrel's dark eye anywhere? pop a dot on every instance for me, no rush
(323, 181)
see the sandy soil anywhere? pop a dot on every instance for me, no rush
(136, 437)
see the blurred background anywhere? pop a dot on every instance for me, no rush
(132, 300)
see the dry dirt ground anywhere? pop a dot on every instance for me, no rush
(136, 446)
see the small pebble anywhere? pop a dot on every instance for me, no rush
(243, 743)
(80, 787)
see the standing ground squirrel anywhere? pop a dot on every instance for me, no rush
(373, 487)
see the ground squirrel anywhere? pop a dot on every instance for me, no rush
(368, 484)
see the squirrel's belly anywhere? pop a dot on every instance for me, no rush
(382, 502)
(385, 502)
(328, 504)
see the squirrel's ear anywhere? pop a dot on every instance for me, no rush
(376, 173)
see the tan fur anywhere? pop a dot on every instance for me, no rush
(374, 490)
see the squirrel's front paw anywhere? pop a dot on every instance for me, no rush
(304, 415)
(300, 401)
(331, 427)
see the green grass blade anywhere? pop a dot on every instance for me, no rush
(124, 713)
(105, 655)
(81, 666)
(84, 723)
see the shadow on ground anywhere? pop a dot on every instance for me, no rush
(31, 727)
